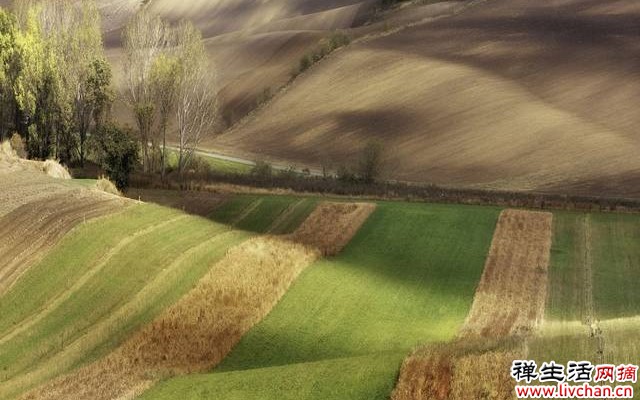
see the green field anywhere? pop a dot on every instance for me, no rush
(216, 164)
(408, 277)
(607, 297)
(85, 295)
(342, 330)
(264, 214)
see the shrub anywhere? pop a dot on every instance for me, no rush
(107, 186)
(346, 175)
(326, 46)
(264, 96)
(262, 170)
(288, 173)
(117, 152)
(199, 167)
(17, 144)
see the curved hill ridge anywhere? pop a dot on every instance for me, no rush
(509, 94)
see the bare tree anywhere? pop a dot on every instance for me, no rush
(196, 94)
(164, 75)
(144, 38)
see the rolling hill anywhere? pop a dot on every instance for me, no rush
(506, 94)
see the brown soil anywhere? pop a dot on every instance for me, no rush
(192, 202)
(510, 94)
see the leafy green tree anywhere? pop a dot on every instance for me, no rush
(8, 32)
(100, 93)
(118, 153)
(30, 80)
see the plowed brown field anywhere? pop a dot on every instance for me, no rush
(509, 94)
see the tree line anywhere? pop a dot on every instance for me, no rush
(57, 89)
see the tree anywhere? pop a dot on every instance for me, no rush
(100, 94)
(62, 81)
(164, 77)
(144, 38)
(370, 166)
(8, 32)
(118, 153)
(75, 40)
(29, 81)
(196, 93)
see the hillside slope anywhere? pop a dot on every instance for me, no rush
(507, 94)
(254, 44)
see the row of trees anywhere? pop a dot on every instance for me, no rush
(170, 82)
(56, 84)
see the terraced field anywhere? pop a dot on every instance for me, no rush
(402, 281)
(256, 296)
(264, 214)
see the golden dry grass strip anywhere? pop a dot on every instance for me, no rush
(483, 376)
(198, 331)
(511, 295)
(509, 302)
(426, 374)
(461, 370)
(106, 328)
(331, 226)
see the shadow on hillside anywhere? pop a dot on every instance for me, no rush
(573, 56)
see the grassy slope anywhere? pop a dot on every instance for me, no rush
(615, 258)
(265, 212)
(407, 277)
(218, 165)
(112, 288)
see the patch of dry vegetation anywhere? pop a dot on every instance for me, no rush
(331, 226)
(511, 296)
(11, 162)
(105, 185)
(509, 303)
(462, 370)
(196, 333)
